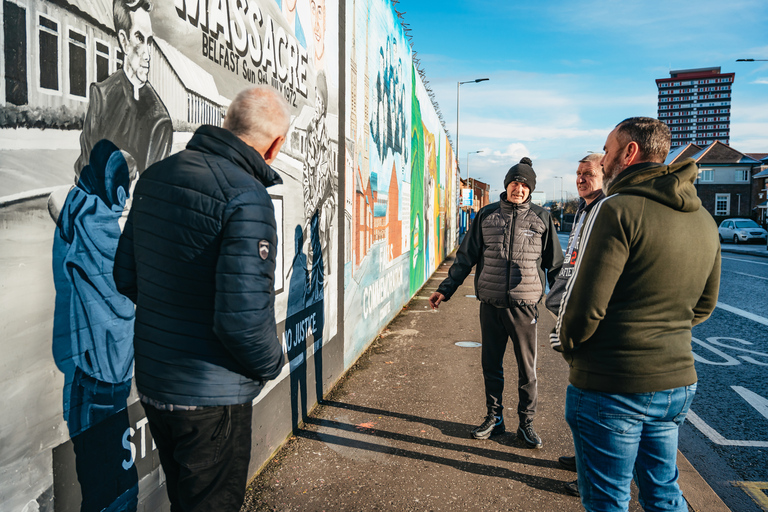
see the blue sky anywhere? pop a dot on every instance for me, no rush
(564, 72)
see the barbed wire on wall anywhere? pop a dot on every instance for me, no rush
(420, 70)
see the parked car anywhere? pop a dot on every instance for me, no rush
(742, 231)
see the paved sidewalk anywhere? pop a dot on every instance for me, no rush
(751, 249)
(394, 433)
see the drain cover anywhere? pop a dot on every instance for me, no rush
(468, 344)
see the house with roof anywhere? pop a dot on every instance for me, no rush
(760, 188)
(724, 184)
(55, 49)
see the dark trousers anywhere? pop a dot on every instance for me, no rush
(205, 455)
(498, 325)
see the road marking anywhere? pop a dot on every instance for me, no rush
(748, 275)
(716, 437)
(746, 261)
(757, 491)
(759, 403)
(745, 314)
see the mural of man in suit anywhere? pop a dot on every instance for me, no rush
(124, 108)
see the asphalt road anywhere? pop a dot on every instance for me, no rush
(725, 436)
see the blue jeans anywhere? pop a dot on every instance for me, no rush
(618, 436)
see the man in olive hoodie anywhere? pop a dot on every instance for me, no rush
(626, 329)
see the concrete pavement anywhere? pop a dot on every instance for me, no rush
(752, 249)
(394, 433)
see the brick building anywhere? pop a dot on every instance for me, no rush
(725, 183)
(696, 105)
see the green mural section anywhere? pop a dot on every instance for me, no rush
(417, 194)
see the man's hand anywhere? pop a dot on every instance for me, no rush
(435, 299)
(554, 341)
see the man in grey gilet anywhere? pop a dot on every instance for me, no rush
(515, 247)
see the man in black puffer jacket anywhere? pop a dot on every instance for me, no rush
(197, 256)
(513, 243)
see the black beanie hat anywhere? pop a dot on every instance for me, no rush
(522, 172)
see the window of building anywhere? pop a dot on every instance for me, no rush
(706, 175)
(48, 31)
(77, 64)
(118, 59)
(742, 175)
(722, 204)
(102, 61)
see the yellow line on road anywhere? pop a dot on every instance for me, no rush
(757, 491)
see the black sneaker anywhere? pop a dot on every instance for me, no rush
(568, 463)
(491, 426)
(528, 436)
(572, 488)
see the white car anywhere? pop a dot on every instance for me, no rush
(741, 231)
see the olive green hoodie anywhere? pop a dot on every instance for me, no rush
(648, 271)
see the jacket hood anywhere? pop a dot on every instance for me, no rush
(670, 185)
(212, 139)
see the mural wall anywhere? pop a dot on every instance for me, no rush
(400, 176)
(92, 92)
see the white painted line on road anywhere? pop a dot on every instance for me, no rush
(745, 314)
(746, 261)
(748, 275)
(759, 403)
(715, 436)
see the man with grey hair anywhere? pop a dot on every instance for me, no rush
(647, 272)
(589, 183)
(197, 257)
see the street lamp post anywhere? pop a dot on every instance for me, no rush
(471, 153)
(468, 185)
(458, 90)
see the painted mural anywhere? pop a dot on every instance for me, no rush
(92, 93)
(399, 171)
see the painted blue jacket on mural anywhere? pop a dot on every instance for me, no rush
(100, 318)
(197, 256)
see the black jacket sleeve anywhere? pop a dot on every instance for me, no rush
(551, 252)
(467, 256)
(244, 316)
(124, 271)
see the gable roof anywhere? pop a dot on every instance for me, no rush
(719, 153)
(193, 77)
(758, 156)
(681, 153)
(98, 12)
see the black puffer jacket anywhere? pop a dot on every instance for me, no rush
(513, 245)
(197, 256)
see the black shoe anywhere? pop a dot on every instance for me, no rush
(491, 426)
(568, 463)
(528, 436)
(572, 488)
